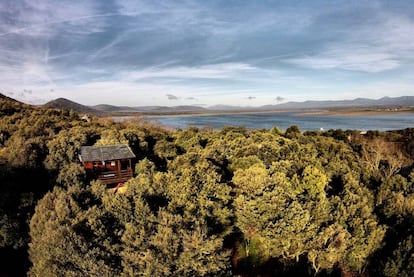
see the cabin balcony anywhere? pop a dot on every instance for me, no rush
(110, 164)
(114, 177)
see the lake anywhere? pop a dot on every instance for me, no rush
(283, 120)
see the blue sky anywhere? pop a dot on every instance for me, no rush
(249, 53)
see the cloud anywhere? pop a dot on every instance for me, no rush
(354, 58)
(251, 97)
(45, 18)
(31, 36)
(107, 50)
(171, 97)
(211, 71)
(381, 44)
(209, 51)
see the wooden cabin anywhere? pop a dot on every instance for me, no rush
(110, 164)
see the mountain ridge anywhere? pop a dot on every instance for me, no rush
(7, 98)
(406, 101)
(106, 109)
(66, 104)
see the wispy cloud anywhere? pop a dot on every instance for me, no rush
(213, 71)
(378, 46)
(42, 18)
(204, 51)
(350, 58)
(29, 31)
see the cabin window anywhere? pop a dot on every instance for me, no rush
(113, 163)
(124, 165)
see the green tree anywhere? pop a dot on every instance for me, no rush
(66, 239)
(401, 263)
(292, 132)
(354, 209)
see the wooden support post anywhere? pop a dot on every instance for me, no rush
(118, 168)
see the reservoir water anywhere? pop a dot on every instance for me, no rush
(283, 120)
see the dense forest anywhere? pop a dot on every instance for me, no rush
(204, 202)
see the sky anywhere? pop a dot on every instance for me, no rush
(246, 53)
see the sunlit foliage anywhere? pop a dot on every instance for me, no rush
(204, 202)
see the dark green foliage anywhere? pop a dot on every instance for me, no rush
(292, 132)
(204, 202)
(69, 236)
(401, 262)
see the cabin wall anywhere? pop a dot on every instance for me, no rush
(110, 172)
(88, 165)
(99, 166)
(111, 165)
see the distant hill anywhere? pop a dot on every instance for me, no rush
(231, 108)
(111, 108)
(105, 109)
(7, 98)
(63, 103)
(148, 109)
(404, 101)
(175, 109)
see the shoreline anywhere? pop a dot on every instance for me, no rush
(355, 112)
(296, 113)
(399, 119)
(211, 113)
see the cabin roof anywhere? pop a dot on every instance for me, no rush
(105, 153)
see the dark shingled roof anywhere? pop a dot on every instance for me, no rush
(105, 153)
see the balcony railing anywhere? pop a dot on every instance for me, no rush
(113, 177)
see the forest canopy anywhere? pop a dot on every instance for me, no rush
(204, 202)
